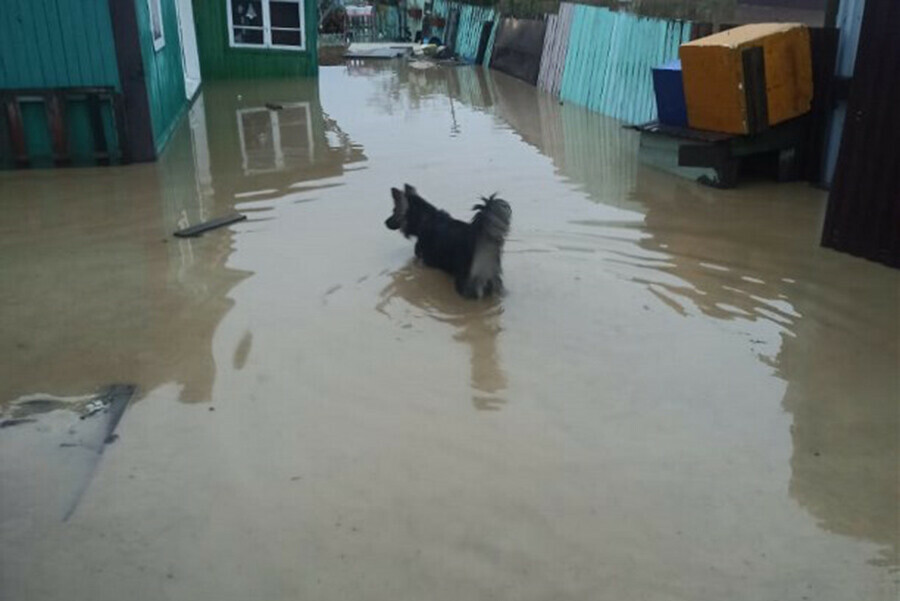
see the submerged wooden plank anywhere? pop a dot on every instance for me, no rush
(196, 230)
(378, 53)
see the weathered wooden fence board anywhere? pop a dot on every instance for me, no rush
(556, 45)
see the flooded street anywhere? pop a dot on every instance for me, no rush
(682, 396)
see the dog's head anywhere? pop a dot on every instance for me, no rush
(399, 219)
(401, 205)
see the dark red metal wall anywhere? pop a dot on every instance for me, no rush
(863, 216)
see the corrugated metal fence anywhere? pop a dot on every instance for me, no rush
(609, 58)
(556, 46)
(468, 32)
(471, 22)
(591, 56)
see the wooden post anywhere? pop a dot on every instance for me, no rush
(16, 131)
(831, 12)
(54, 105)
(101, 151)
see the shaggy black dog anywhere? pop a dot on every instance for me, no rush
(470, 252)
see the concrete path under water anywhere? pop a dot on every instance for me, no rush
(682, 396)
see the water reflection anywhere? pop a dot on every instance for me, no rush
(104, 293)
(402, 87)
(827, 325)
(648, 340)
(827, 328)
(266, 137)
(476, 324)
(594, 152)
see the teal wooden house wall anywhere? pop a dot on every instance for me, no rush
(57, 44)
(54, 43)
(163, 72)
(218, 60)
(51, 51)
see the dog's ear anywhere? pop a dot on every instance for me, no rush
(410, 191)
(400, 201)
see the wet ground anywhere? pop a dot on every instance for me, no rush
(682, 396)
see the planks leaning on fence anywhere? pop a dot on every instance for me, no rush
(490, 45)
(468, 35)
(609, 57)
(556, 45)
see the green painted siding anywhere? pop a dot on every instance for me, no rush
(163, 71)
(56, 43)
(219, 61)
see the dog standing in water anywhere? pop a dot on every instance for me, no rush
(470, 252)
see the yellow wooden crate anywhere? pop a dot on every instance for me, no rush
(716, 86)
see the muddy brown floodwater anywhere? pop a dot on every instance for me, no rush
(682, 396)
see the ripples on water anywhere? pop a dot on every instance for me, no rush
(681, 392)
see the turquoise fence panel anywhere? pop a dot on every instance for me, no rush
(573, 63)
(468, 33)
(440, 8)
(610, 57)
(468, 29)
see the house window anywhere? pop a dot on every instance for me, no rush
(275, 24)
(156, 24)
(272, 140)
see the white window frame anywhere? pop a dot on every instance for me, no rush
(274, 122)
(267, 28)
(160, 42)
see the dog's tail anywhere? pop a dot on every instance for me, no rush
(492, 219)
(490, 225)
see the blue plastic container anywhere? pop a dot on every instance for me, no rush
(669, 88)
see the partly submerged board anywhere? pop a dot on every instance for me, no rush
(196, 230)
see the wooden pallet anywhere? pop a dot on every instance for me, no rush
(715, 159)
(55, 102)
